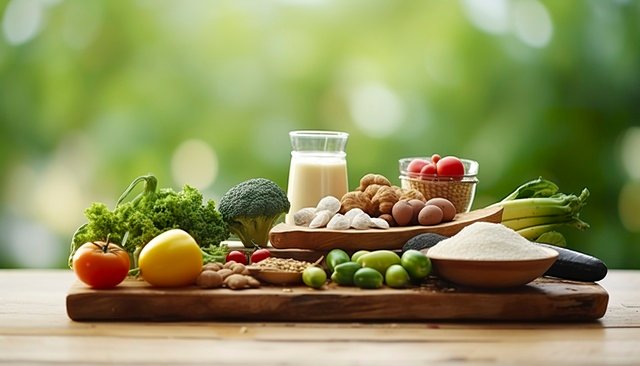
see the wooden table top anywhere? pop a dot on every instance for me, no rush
(35, 329)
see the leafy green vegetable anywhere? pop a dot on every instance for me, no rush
(535, 188)
(552, 237)
(134, 223)
(537, 207)
(251, 208)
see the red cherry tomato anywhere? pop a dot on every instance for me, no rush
(435, 158)
(428, 170)
(416, 165)
(450, 166)
(101, 265)
(237, 256)
(260, 255)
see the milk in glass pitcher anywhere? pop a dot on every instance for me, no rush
(318, 168)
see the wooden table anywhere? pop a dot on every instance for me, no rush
(35, 329)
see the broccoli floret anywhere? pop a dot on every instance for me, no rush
(251, 208)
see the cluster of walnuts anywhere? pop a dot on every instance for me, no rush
(376, 196)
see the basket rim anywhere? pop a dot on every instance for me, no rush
(437, 180)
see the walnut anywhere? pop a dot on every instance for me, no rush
(412, 193)
(370, 179)
(355, 199)
(384, 200)
(372, 189)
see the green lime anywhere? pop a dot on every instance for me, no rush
(314, 277)
(396, 276)
(416, 263)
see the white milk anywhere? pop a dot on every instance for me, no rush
(313, 176)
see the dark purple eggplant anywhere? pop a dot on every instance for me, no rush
(576, 266)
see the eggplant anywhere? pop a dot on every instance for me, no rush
(575, 266)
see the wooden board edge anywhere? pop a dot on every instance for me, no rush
(544, 301)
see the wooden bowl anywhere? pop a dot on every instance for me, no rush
(275, 276)
(492, 273)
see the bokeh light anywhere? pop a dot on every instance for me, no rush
(195, 163)
(532, 23)
(96, 93)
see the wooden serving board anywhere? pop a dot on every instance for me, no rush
(286, 236)
(545, 299)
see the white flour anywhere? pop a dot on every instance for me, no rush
(487, 241)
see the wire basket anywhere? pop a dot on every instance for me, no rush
(460, 191)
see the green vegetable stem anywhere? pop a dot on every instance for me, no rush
(537, 208)
(150, 186)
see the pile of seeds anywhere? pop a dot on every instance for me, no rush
(284, 264)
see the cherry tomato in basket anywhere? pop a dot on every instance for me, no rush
(237, 256)
(101, 265)
(429, 169)
(260, 255)
(435, 158)
(450, 166)
(416, 165)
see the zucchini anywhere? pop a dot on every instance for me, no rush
(576, 266)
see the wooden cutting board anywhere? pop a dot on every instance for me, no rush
(286, 236)
(545, 299)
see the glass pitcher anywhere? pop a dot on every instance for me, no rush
(318, 168)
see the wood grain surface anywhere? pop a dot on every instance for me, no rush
(544, 299)
(35, 330)
(285, 236)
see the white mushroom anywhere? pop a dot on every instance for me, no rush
(338, 222)
(362, 221)
(321, 219)
(329, 203)
(304, 216)
(379, 223)
(352, 213)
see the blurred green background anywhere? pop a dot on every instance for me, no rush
(95, 93)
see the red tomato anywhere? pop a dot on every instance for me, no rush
(100, 265)
(260, 255)
(237, 256)
(429, 169)
(416, 165)
(450, 166)
(435, 158)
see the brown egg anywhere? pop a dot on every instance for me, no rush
(430, 215)
(417, 205)
(402, 213)
(448, 209)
